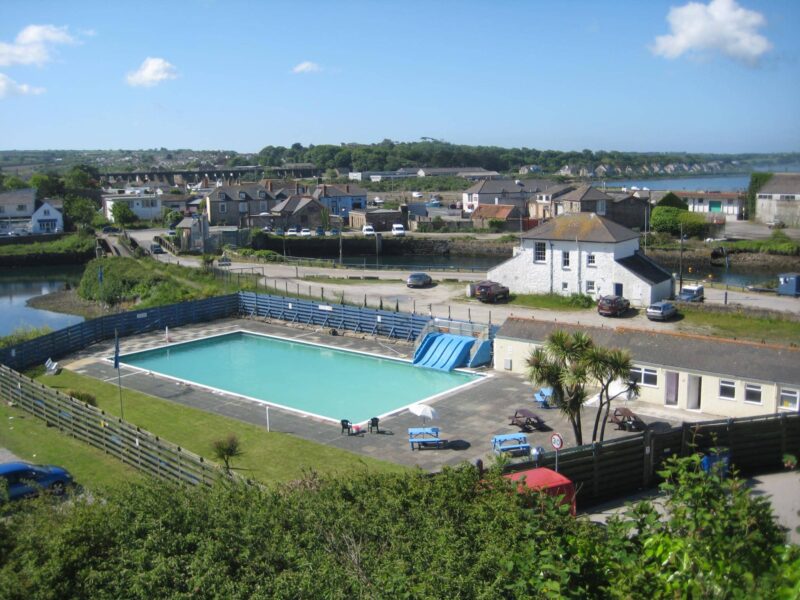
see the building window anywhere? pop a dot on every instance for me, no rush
(590, 260)
(223, 208)
(262, 206)
(646, 377)
(564, 286)
(787, 197)
(242, 196)
(601, 207)
(727, 389)
(20, 207)
(590, 287)
(565, 260)
(2, 209)
(765, 196)
(46, 212)
(539, 252)
(242, 207)
(752, 393)
(789, 399)
(221, 195)
(262, 194)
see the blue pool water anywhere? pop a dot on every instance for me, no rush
(325, 382)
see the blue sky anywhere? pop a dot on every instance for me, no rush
(713, 75)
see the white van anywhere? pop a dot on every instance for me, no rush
(368, 230)
(398, 230)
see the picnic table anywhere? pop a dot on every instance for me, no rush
(526, 420)
(625, 418)
(425, 437)
(511, 443)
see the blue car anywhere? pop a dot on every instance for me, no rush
(22, 480)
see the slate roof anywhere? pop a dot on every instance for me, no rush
(585, 227)
(14, 197)
(738, 360)
(251, 191)
(645, 268)
(782, 183)
(451, 170)
(293, 204)
(509, 186)
(493, 211)
(585, 193)
(557, 190)
(334, 191)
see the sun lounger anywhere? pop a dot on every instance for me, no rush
(526, 420)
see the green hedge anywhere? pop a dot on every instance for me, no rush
(71, 249)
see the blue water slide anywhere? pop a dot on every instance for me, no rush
(483, 355)
(444, 352)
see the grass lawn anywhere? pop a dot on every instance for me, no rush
(741, 326)
(547, 301)
(31, 440)
(268, 457)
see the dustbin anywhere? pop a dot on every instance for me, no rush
(717, 462)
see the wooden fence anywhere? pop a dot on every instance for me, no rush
(617, 467)
(130, 444)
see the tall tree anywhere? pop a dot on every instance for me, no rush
(607, 366)
(122, 213)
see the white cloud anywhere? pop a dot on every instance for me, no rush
(307, 67)
(720, 25)
(152, 72)
(9, 87)
(33, 45)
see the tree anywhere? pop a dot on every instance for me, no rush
(80, 211)
(757, 181)
(122, 213)
(607, 366)
(562, 364)
(81, 177)
(14, 183)
(671, 199)
(47, 185)
(226, 450)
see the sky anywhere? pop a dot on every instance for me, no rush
(704, 76)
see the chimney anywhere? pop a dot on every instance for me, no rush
(347, 188)
(269, 185)
(324, 191)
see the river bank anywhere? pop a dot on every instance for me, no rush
(69, 303)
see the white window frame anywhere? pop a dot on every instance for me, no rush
(536, 247)
(727, 383)
(789, 392)
(753, 387)
(242, 196)
(221, 196)
(643, 373)
(590, 289)
(565, 259)
(590, 260)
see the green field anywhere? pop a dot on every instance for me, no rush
(268, 457)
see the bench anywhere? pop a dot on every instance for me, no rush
(512, 443)
(425, 437)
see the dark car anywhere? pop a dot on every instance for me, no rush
(110, 229)
(335, 231)
(418, 280)
(613, 306)
(22, 480)
(692, 293)
(279, 231)
(491, 291)
(661, 311)
(320, 232)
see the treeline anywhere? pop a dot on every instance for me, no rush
(390, 156)
(456, 535)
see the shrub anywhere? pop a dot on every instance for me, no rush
(581, 301)
(85, 397)
(23, 334)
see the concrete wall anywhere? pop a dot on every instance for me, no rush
(711, 403)
(772, 209)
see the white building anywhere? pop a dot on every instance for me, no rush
(146, 207)
(47, 219)
(779, 199)
(501, 191)
(584, 254)
(730, 204)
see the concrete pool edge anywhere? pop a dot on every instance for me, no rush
(477, 377)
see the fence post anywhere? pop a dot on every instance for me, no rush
(684, 438)
(782, 425)
(647, 442)
(595, 471)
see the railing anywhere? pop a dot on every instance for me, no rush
(130, 444)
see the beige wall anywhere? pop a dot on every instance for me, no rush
(710, 402)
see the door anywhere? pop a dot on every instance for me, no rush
(671, 396)
(715, 206)
(693, 392)
(618, 289)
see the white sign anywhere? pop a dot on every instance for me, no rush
(557, 441)
(325, 307)
(141, 316)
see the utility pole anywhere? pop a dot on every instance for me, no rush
(680, 263)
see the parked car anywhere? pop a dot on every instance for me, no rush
(266, 229)
(156, 249)
(320, 232)
(398, 230)
(613, 306)
(279, 231)
(368, 230)
(110, 229)
(776, 224)
(692, 293)
(291, 231)
(419, 280)
(171, 232)
(416, 194)
(305, 232)
(491, 291)
(23, 480)
(335, 231)
(661, 311)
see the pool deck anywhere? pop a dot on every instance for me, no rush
(468, 418)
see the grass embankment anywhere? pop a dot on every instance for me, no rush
(778, 243)
(150, 283)
(71, 249)
(31, 440)
(741, 326)
(23, 334)
(552, 301)
(268, 457)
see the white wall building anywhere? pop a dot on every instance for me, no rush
(47, 219)
(779, 199)
(730, 204)
(584, 254)
(146, 207)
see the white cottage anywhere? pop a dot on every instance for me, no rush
(588, 254)
(47, 219)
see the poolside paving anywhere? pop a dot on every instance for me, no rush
(467, 418)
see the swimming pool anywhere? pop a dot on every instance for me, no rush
(308, 378)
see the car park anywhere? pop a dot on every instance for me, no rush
(291, 231)
(398, 230)
(368, 230)
(23, 480)
(491, 291)
(613, 306)
(661, 311)
(692, 293)
(305, 232)
(419, 280)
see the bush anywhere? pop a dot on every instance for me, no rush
(581, 301)
(668, 219)
(497, 225)
(23, 334)
(85, 397)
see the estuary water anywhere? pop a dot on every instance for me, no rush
(17, 286)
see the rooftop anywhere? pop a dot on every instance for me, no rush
(581, 227)
(782, 183)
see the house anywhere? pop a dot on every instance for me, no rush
(16, 209)
(501, 191)
(584, 198)
(718, 377)
(545, 206)
(779, 199)
(509, 214)
(298, 211)
(731, 204)
(340, 199)
(527, 169)
(381, 219)
(629, 210)
(192, 234)
(145, 202)
(46, 219)
(246, 205)
(584, 253)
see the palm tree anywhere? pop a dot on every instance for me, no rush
(562, 364)
(607, 366)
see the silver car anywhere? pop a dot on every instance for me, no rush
(661, 311)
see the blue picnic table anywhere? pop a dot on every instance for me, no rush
(513, 443)
(425, 437)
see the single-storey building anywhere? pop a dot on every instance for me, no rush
(340, 199)
(730, 204)
(720, 377)
(381, 219)
(584, 253)
(779, 199)
(483, 216)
